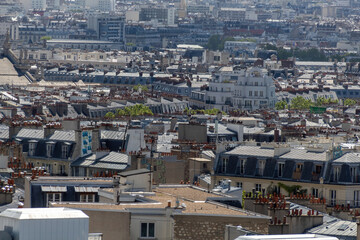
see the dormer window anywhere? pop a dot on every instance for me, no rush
(64, 150)
(32, 148)
(49, 149)
(336, 174)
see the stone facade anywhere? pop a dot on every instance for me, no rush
(213, 227)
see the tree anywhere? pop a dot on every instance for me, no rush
(136, 110)
(349, 102)
(321, 101)
(110, 115)
(300, 103)
(217, 42)
(292, 189)
(142, 87)
(45, 38)
(281, 105)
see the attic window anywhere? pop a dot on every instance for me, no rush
(343, 227)
(49, 149)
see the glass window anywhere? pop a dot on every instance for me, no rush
(147, 230)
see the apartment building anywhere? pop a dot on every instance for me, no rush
(328, 174)
(240, 88)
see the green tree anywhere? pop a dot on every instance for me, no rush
(300, 103)
(217, 42)
(281, 105)
(110, 115)
(142, 87)
(45, 38)
(349, 102)
(136, 110)
(292, 189)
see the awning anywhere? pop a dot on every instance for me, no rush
(53, 189)
(86, 189)
(200, 159)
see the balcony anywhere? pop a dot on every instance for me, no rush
(209, 102)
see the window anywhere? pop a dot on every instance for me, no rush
(61, 169)
(242, 166)
(299, 167)
(281, 167)
(354, 174)
(258, 187)
(224, 165)
(87, 197)
(261, 167)
(32, 147)
(315, 192)
(333, 197)
(239, 184)
(147, 230)
(53, 197)
(255, 93)
(250, 93)
(49, 149)
(261, 93)
(64, 151)
(336, 174)
(357, 198)
(318, 169)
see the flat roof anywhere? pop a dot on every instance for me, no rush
(42, 213)
(78, 41)
(287, 236)
(193, 199)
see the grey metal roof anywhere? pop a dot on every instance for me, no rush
(115, 157)
(59, 135)
(304, 154)
(114, 135)
(113, 160)
(208, 153)
(348, 158)
(83, 189)
(53, 189)
(252, 151)
(222, 130)
(341, 229)
(4, 132)
(30, 133)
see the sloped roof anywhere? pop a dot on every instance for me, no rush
(30, 133)
(60, 135)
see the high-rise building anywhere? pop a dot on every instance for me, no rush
(110, 28)
(162, 15)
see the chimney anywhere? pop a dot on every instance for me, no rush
(276, 135)
(173, 123)
(13, 131)
(95, 144)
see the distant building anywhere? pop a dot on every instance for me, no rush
(165, 16)
(245, 89)
(45, 223)
(108, 28)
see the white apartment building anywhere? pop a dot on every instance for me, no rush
(234, 88)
